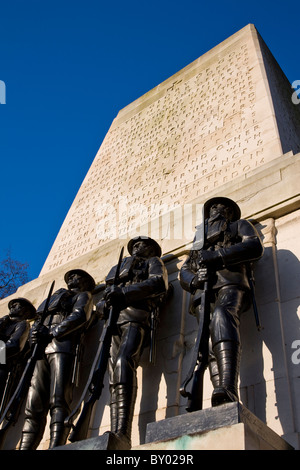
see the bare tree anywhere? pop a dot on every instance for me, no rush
(13, 274)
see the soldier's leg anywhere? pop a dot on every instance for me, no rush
(61, 392)
(124, 377)
(37, 406)
(115, 344)
(225, 338)
(213, 367)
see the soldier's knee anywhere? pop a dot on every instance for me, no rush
(223, 326)
(123, 370)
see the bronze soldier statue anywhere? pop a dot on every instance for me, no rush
(14, 332)
(142, 281)
(52, 385)
(230, 244)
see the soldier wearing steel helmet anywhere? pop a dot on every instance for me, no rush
(230, 244)
(14, 332)
(51, 385)
(142, 280)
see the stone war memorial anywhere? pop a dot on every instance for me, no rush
(225, 126)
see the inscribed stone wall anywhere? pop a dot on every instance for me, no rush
(208, 124)
(287, 115)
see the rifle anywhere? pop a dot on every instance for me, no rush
(8, 383)
(153, 327)
(252, 291)
(12, 410)
(200, 355)
(199, 361)
(95, 382)
(154, 320)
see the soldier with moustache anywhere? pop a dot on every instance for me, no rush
(230, 244)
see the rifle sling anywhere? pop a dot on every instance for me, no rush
(196, 351)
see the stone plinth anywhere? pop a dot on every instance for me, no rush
(227, 427)
(105, 442)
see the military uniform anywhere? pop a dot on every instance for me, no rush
(51, 385)
(230, 245)
(14, 332)
(141, 281)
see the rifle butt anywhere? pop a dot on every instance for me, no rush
(3, 433)
(80, 430)
(10, 418)
(12, 411)
(194, 403)
(195, 398)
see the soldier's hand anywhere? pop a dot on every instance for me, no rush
(200, 278)
(40, 334)
(210, 259)
(115, 297)
(202, 274)
(101, 310)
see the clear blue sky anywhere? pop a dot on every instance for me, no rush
(69, 66)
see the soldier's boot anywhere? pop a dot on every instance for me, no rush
(31, 435)
(126, 397)
(227, 355)
(113, 410)
(29, 441)
(213, 370)
(58, 434)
